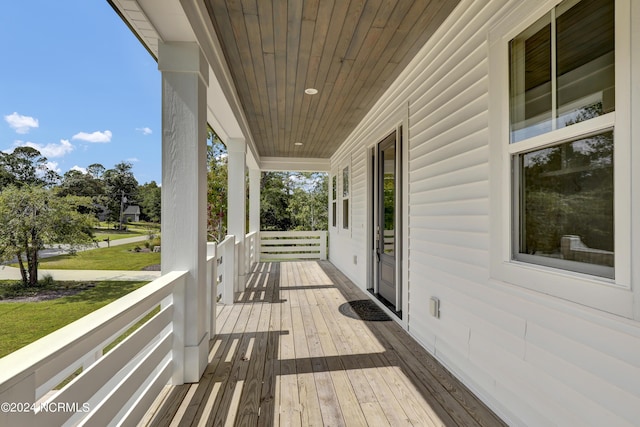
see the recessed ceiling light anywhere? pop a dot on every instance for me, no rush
(310, 91)
(297, 143)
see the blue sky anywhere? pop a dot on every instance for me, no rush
(76, 84)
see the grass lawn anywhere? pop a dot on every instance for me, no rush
(25, 322)
(114, 258)
(135, 227)
(101, 235)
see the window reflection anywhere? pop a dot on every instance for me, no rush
(579, 46)
(567, 201)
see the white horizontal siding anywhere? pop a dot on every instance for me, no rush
(535, 359)
(347, 245)
(358, 197)
(456, 238)
(453, 193)
(594, 366)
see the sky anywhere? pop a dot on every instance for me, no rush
(77, 85)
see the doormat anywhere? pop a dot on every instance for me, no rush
(363, 309)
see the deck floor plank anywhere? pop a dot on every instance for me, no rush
(419, 407)
(289, 404)
(398, 402)
(267, 414)
(221, 374)
(287, 354)
(310, 406)
(345, 395)
(371, 382)
(248, 411)
(329, 404)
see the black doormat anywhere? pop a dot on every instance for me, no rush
(364, 309)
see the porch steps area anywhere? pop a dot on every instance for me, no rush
(291, 351)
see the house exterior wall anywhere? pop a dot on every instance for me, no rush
(533, 358)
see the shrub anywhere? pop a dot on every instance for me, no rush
(153, 243)
(46, 281)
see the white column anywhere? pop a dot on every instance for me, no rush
(236, 223)
(185, 78)
(254, 200)
(254, 214)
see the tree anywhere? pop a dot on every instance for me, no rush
(216, 188)
(76, 183)
(275, 193)
(96, 170)
(121, 187)
(32, 217)
(25, 166)
(294, 201)
(308, 201)
(288, 200)
(149, 196)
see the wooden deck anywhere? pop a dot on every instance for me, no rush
(289, 352)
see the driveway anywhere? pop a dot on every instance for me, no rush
(13, 273)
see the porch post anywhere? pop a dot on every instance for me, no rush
(236, 223)
(185, 76)
(254, 200)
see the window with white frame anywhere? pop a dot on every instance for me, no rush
(560, 79)
(334, 200)
(562, 73)
(345, 197)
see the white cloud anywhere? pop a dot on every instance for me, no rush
(133, 160)
(96, 136)
(145, 131)
(49, 150)
(21, 124)
(52, 166)
(79, 169)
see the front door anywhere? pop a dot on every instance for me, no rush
(387, 227)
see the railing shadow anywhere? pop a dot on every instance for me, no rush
(244, 366)
(437, 385)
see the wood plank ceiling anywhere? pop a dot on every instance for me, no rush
(349, 50)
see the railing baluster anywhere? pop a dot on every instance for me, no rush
(293, 245)
(33, 371)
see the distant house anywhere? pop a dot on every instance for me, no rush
(131, 214)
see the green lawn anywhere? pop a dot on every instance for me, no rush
(114, 258)
(135, 227)
(25, 322)
(101, 235)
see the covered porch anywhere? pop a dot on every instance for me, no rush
(411, 93)
(301, 346)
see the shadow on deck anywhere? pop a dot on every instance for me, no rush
(292, 351)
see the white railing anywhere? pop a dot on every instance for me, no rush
(226, 270)
(251, 249)
(75, 378)
(281, 245)
(222, 270)
(213, 290)
(116, 385)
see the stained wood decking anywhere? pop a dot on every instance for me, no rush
(285, 354)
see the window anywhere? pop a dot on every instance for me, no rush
(562, 69)
(345, 197)
(334, 201)
(562, 73)
(560, 150)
